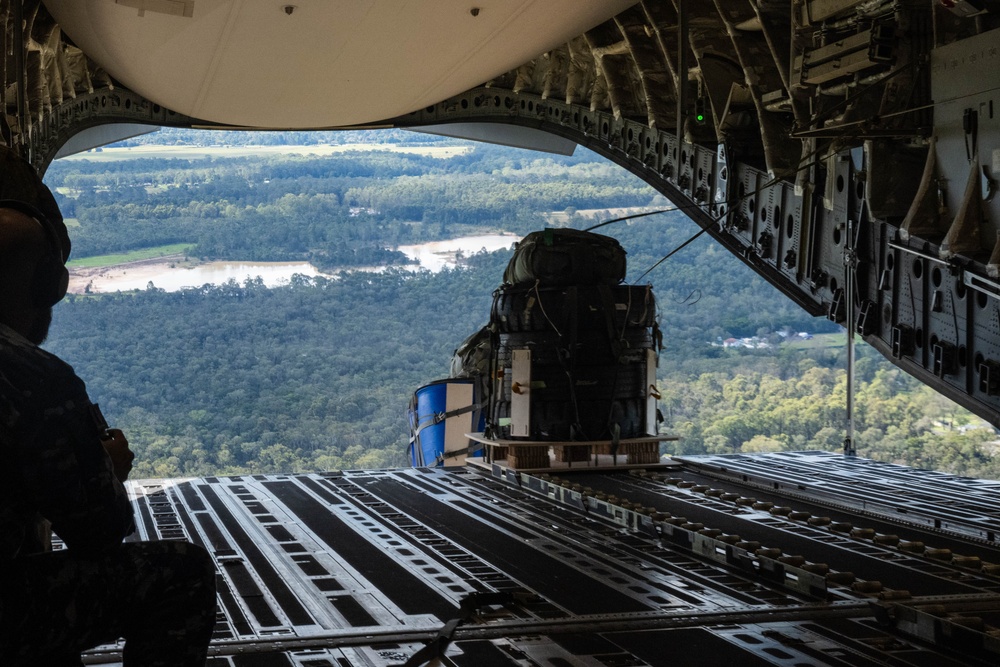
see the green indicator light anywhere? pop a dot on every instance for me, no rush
(700, 112)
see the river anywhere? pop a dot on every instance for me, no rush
(167, 275)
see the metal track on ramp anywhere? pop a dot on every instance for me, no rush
(694, 566)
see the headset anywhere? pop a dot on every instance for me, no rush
(51, 279)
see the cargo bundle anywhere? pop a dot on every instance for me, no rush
(569, 356)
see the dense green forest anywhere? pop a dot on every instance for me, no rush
(333, 211)
(316, 375)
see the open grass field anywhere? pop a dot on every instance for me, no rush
(560, 218)
(820, 342)
(134, 256)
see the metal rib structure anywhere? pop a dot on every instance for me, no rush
(845, 150)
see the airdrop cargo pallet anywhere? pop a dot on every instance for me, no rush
(535, 454)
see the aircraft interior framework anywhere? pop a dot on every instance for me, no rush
(848, 151)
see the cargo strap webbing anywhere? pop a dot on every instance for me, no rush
(469, 605)
(616, 434)
(572, 314)
(432, 420)
(472, 448)
(411, 415)
(438, 417)
(608, 306)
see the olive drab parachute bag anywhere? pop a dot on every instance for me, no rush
(556, 257)
(473, 359)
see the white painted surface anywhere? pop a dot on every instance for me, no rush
(520, 401)
(328, 63)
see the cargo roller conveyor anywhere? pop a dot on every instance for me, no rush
(816, 511)
(936, 501)
(840, 546)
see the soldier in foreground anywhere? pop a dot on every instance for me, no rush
(63, 466)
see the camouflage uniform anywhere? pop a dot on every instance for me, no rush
(159, 596)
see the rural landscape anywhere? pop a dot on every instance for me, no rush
(314, 372)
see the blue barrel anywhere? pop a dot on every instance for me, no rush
(440, 414)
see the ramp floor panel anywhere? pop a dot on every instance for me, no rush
(595, 568)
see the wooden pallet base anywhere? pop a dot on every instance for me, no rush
(540, 455)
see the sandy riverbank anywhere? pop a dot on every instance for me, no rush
(103, 278)
(174, 272)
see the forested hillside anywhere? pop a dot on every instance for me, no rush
(333, 211)
(317, 375)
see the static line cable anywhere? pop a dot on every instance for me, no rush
(938, 103)
(804, 163)
(903, 112)
(687, 301)
(632, 217)
(829, 113)
(671, 254)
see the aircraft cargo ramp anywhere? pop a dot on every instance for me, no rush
(786, 559)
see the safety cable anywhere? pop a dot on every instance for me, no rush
(804, 163)
(903, 112)
(541, 307)
(671, 254)
(828, 113)
(687, 207)
(686, 301)
(669, 209)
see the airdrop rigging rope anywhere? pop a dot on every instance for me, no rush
(669, 209)
(804, 163)
(880, 117)
(541, 307)
(671, 254)
(830, 112)
(728, 202)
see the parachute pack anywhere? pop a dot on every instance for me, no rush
(569, 354)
